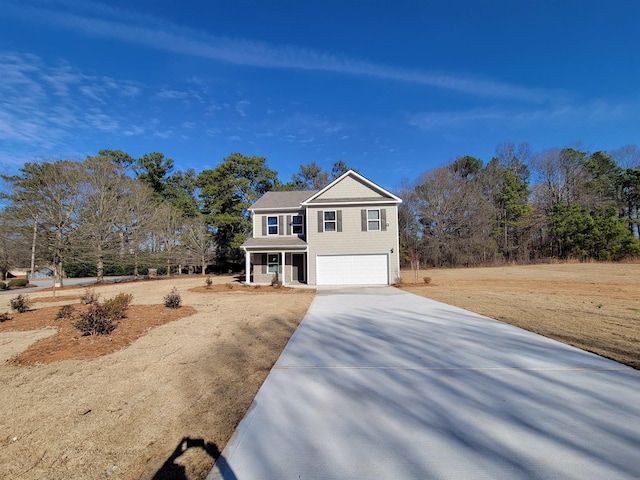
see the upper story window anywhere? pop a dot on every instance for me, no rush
(373, 220)
(272, 225)
(297, 225)
(329, 221)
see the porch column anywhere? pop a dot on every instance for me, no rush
(247, 267)
(283, 268)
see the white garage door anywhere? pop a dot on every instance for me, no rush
(352, 270)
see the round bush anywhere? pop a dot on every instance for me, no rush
(173, 299)
(18, 282)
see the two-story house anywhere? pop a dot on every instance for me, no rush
(343, 234)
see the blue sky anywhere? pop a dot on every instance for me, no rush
(393, 88)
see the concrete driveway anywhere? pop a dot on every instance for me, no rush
(379, 383)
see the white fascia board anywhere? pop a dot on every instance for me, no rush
(277, 248)
(277, 209)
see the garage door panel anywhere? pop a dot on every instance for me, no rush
(352, 269)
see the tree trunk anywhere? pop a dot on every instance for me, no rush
(135, 267)
(33, 249)
(100, 266)
(204, 266)
(122, 243)
(57, 272)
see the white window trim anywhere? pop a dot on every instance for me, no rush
(300, 225)
(379, 220)
(270, 263)
(325, 221)
(276, 225)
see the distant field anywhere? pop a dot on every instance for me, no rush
(594, 306)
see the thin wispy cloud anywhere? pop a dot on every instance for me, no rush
(43, 107)
(241, 107)
(447, 120)
(559, 116)
(97, 20)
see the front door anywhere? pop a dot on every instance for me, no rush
(297, 267)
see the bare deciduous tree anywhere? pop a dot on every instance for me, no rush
(50, 192)
(198, 242)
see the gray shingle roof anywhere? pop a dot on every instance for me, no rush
(275, 241)
(272, 200)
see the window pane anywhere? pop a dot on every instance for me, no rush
(272, 220)
(330, 215)
(329, 226)
(374, 214)
(273, 230)
(297, 229)
(297, 220)
(374, 225)
(273, 268)
(273, 258)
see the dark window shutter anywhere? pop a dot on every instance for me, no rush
(264, 225)
(383, 219)
(288, 224)
(320, 220)
(264, 262)
(363, 219)
(281, 225)
(339, 220)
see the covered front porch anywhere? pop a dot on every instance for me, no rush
(265, 259)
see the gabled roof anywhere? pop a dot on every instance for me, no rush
(384, 195)
(282, 200)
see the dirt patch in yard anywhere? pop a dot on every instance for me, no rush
(58, 298)
(69, 344)
(164, 406)
(595, 307)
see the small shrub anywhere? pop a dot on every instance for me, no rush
(427, 280)
(97, 320)
(172, 299)
(20, 303)
(5, 317)
(18, 282)
(119, 304)
(66, 312)
(3, 286)
(229, 286)
(276, 282)
(208, 281)
(89, 297)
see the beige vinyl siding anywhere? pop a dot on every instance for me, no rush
(284, 223)
(349, 187)
(352, 240)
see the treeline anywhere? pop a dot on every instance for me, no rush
(523, 207)
(112, 214)
(115, 214)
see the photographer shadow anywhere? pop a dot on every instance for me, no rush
(171, 470)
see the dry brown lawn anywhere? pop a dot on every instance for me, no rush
(159, 398)
(594, 306)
